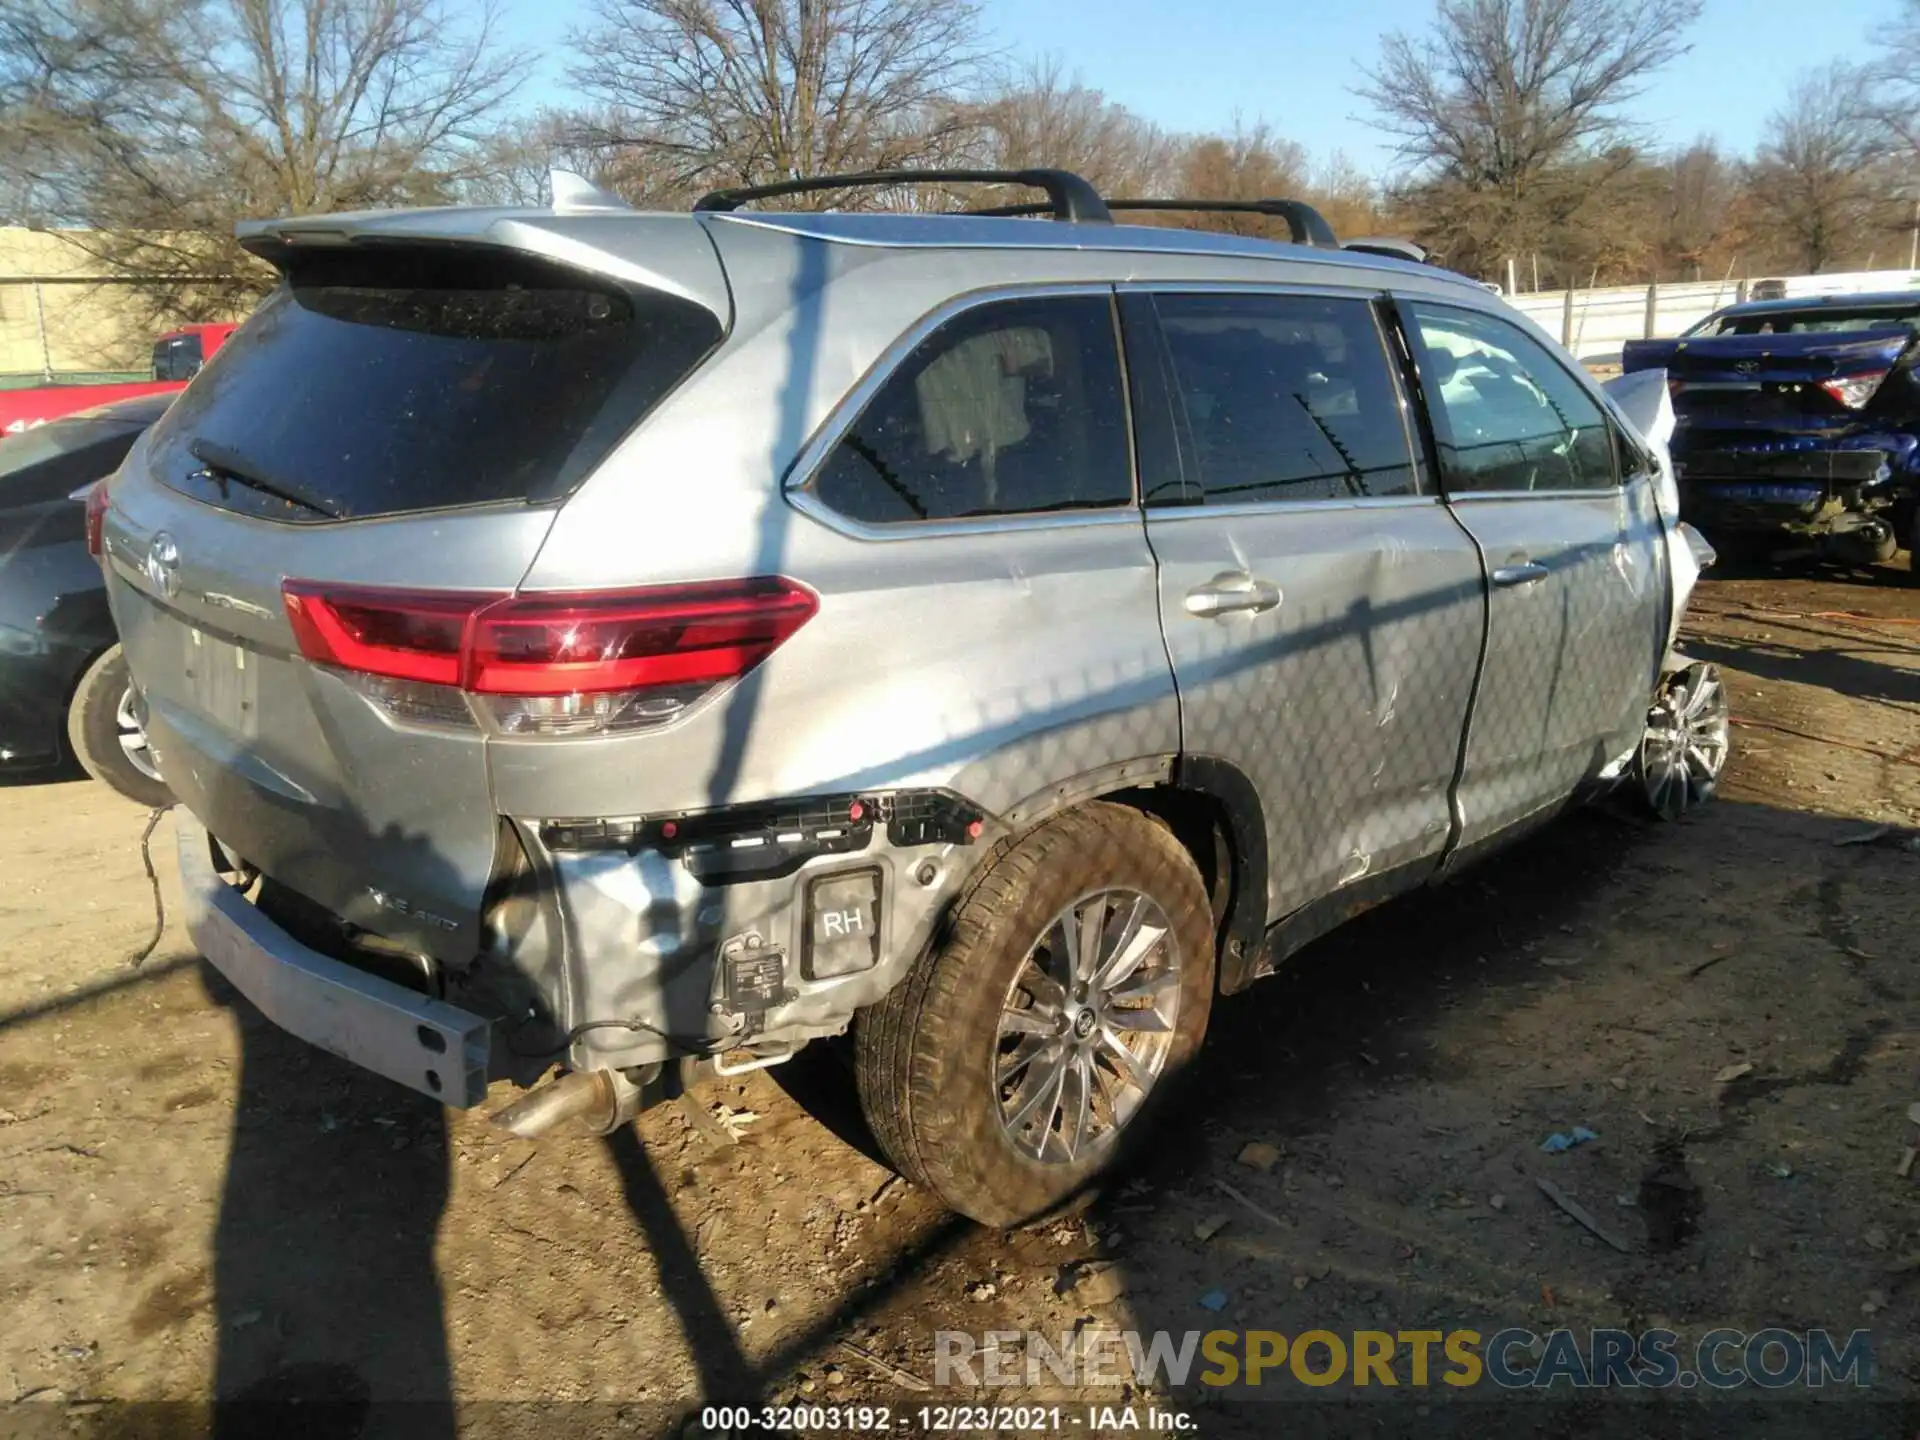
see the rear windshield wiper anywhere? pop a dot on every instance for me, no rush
(229, 465)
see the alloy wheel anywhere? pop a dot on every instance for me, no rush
(1087, 1025)
(1686, 742)
(133, 735)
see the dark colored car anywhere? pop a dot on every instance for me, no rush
(1799, 422)
(64, 689)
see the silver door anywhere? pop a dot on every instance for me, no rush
(1322, 608)
(1577, 599)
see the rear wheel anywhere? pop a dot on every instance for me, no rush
(108, 736)
(1035, 1047)
(1685, 745)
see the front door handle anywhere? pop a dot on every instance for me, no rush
(1231, 592)
(1525, 573)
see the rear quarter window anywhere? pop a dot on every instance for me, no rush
(399, 380)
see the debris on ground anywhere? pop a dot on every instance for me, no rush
(733, 1121)
(1209, 1227)
(1097, 1284)
(1259, 1155)
(1732, 1073)
(981, 1291)
(1215, 1300)
(1907, 1157)
(1556, 1143)
(1580, 1213)
(1264, 1214)
(1498, 1202)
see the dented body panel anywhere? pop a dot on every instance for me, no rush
(751, 872)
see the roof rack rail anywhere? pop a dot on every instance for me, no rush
(1069, 197)
(1305, 225)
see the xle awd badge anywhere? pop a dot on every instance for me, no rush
(163, 565)
(400, 906)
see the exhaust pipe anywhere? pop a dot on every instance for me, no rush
(605, 1099)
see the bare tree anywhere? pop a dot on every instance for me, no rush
(1700, 212)
(157, 124)
(1495, 105)
(1811, 180)
(1039, 117)
(730, 92)
(1891, 96)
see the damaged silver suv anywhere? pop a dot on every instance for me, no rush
(647, 643)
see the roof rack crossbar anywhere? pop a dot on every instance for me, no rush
(1305, 225)
(1069, 197)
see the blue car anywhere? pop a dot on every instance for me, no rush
(1799, 423)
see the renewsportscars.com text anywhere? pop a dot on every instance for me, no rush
(1512, 1358)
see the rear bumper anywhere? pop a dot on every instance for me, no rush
(1761, 490)
(421, 1043)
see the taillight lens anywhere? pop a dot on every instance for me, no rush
(1854, 391)
(553, 664)
(406, 635)
(96, 516)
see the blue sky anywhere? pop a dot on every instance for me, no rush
(1192, 64)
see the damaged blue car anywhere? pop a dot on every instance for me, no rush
(1799, 424)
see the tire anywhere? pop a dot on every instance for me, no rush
(100, 722)
(926, 1057)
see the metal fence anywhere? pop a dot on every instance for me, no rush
(1595, 324)
(73, 328)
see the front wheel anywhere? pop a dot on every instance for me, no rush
(1685, 745)
(1035, 1047)
(108, 736)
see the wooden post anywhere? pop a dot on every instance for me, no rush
(1566, 318)
(1653, 309)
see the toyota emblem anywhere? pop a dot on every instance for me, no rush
(163, 565)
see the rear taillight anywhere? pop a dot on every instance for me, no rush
(96, 516)
(1854, 391)
(551, 664)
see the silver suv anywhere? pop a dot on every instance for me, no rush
(649, 643)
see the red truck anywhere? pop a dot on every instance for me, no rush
(177, 357)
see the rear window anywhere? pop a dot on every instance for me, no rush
(1813, 322)
(385, 381)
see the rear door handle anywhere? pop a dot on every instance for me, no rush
(1525, 573)
(1230, 592)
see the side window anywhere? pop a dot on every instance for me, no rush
(1011, 408)
(1287, 397)
(1506, 414)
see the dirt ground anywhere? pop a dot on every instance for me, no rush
(193, 1204)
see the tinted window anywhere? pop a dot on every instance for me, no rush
(1287, 397)
(1010, 408)
(1506, 414)
(177, 358)
(51, 461)
(386, 381)
(1819, 320)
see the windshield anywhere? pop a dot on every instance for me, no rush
(1814, 321)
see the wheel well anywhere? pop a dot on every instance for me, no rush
(1230, 851)
(1199, 822)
